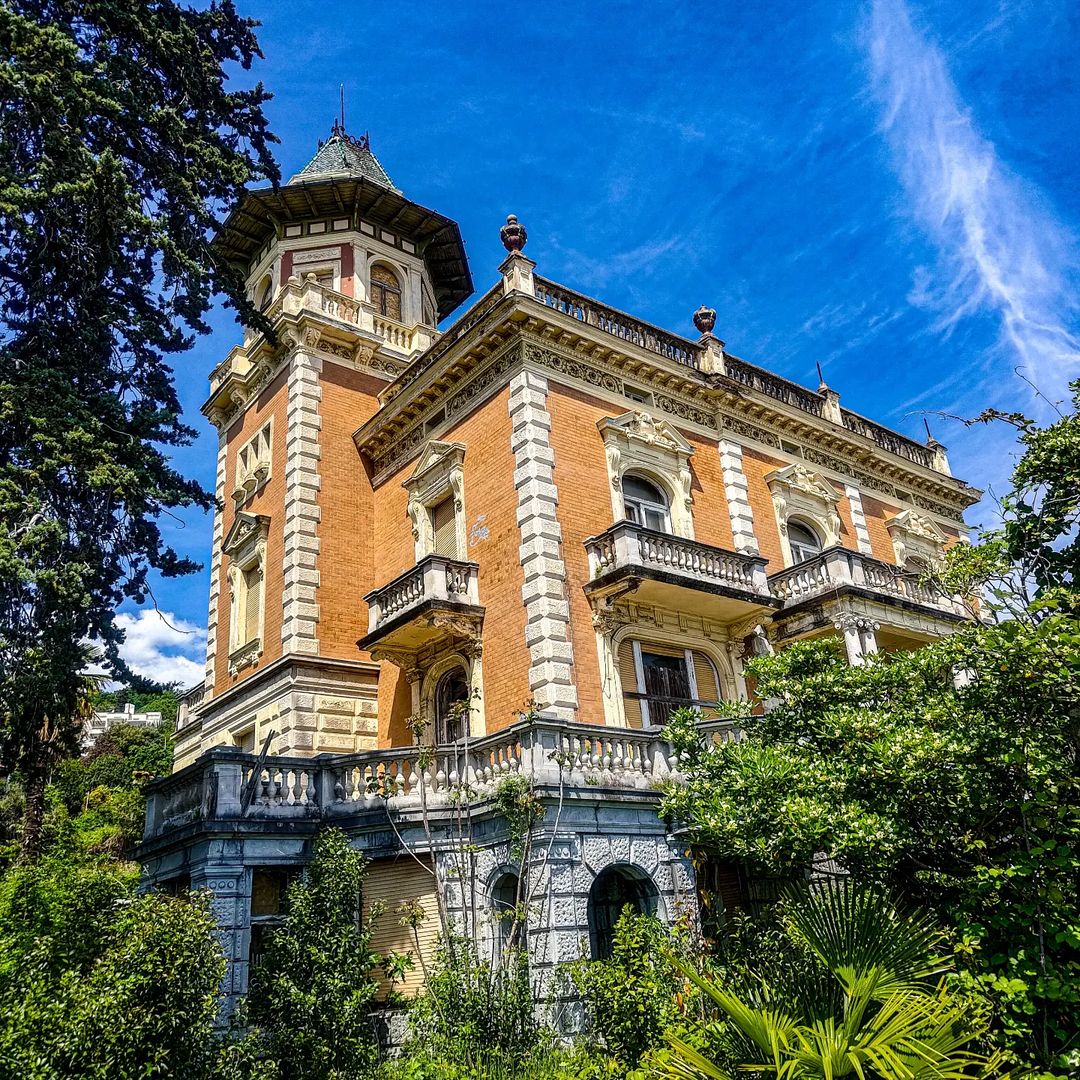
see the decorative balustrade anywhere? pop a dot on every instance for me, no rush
(837, 568)
(765, 382)
(227, 784)
(616, 323)
(435, 577)
(626, 544)
(892, 441)
(189, 705)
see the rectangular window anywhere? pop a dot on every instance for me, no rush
(444, 528)
(657, 679)
(251, 604)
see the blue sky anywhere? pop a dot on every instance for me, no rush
(885, 187)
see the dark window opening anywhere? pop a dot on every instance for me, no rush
(452, 707)
(615, 889)
(509, 933)
(645, 504)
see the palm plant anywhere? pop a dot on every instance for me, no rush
(871, 1003)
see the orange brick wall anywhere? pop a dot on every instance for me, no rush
(757, 466)
(271, 502)
(347, 525)
(848, 539)
(877, 514)
(489, 491)
(584, 510)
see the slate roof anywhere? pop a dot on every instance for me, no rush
(345, 155)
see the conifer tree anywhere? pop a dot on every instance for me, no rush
(121, 146)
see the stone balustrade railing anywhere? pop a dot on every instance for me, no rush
(190, 703)
(228, 784)
(617, 323)
(626, 544)
(837, 567)
(434, 577)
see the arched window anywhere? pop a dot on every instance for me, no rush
(451, 707)
(645, 503)
(264, 293)
(803, 541)
(386, 292)
(614, 889)
(509, 932)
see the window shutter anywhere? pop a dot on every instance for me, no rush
(252, 603)
(392, 881)
(444, 525)
(705, 674)
(628, 676)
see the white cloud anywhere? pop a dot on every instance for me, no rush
(1002, 251)
(162, 647)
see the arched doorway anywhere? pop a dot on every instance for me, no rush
(452, 707)
(509, 933)
(614, 889)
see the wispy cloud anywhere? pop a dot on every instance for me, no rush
(1002, 250)
(163, 647)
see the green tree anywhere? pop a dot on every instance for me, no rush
(120, 146)
(96, 982)
(949, 774)
(311, 994)
(873, 1003)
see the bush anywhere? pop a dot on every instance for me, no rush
(633, 997)
(311, 995)
(96, 983)
(475, 1016)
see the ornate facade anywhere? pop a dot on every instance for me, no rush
(532, 535)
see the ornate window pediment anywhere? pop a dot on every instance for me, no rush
(637, 443)
(245, 546)
(916, 539)
(437, 500)
(800, 494)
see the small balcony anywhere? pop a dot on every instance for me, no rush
(674, 572)
(837, 571)
(435, 598)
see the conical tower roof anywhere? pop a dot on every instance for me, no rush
(344, 155)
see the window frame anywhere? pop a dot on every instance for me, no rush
(640, 649)
(384, 291)
(637, 509)
(812, 532)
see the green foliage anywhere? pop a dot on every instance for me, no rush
(949, 774)
(518, 804)
(311, 994)
(121, 142)
(635, 995)
(476, 1016)
(872, 1005)
(96, 983)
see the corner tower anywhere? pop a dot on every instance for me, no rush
(354, 279)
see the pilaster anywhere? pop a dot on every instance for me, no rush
(737, 492)
(547, 612)
(215, 563)
(858, 519)
(300, 611)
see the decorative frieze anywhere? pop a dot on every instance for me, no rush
(547, 615)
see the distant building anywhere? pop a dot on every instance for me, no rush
(102, 721)
(550, 501)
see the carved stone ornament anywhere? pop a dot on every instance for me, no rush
(705, 319)
(607, 621)
(513, 234)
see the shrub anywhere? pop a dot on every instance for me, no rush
(634, 996)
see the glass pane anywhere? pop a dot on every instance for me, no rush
(634, 487)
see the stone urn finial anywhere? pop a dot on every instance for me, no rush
(705, 319)
(513, 234)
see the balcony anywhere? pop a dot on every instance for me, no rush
(837, 571)
(226, 784)
(435, 598)
(674, 572)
